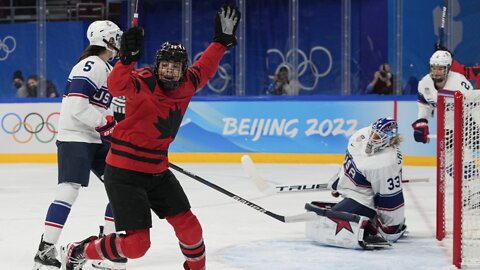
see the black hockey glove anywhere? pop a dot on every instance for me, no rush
(226, 22)
(420, 130)
(131, 45)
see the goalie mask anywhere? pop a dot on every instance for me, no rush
(171, 63)
(440, 64)
(382, 134)
(105, 34)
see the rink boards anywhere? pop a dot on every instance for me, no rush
(277, 131)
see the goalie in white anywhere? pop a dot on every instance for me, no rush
(440, 77)
(369, 182)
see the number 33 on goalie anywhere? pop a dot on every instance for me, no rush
(370, 184)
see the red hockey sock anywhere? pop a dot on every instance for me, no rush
(134, 244)
(189, 233)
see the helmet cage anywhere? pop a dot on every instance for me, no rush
(382, 132)
(171, 52)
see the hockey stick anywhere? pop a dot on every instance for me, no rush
(266, 188)
(135, 15)
(442, 23)
(285, 219)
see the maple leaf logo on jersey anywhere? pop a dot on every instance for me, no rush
(341, 224)
(168, 127)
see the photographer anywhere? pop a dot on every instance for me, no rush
(281, 82)
(382, 83)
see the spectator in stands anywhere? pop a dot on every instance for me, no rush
(281, 82)
(33, 83)
(19, 84)
(382, 83)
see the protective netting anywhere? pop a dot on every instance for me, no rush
(470, 160)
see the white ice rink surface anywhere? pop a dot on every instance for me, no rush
(236, 236)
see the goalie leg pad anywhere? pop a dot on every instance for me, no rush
(343, 232)
(335, 232)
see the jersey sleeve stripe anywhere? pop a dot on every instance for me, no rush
(389, 202)
(82, 85)
(77, 95)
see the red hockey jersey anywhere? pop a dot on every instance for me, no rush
(153, 115)
(471, 73)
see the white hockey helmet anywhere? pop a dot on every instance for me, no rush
(100, 31)
(441, 58)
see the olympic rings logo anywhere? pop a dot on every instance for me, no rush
(306, 65)
(33, 124)
(7, 46)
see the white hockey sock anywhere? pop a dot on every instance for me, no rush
(109, 221)
(59, 210)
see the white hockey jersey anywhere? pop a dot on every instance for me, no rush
(427, 93)
(374, 181)
(86, 101)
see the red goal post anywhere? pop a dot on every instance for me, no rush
(458, 179)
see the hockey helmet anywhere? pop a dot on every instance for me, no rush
(382, 133)
(103, 34)
(173, 52)
(440, 59)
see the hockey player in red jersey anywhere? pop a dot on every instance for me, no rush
(137, 178)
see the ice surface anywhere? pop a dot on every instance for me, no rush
(236, 236)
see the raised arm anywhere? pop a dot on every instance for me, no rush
(121, 82)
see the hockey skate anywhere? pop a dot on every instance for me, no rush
(46, 257)
(73, 254)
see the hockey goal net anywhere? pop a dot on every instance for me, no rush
(458, 178)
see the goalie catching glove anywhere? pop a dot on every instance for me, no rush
(420, 130)
(131, 45)
(226, 22)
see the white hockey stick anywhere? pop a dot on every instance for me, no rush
(266, 188)
(432, 136)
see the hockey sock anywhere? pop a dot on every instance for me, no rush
(189, 233)
(59, 210)
(109, 220)
(134, 244)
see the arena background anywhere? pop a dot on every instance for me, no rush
(331, 47)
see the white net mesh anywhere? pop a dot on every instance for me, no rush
(470, 204)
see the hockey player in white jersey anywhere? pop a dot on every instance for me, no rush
(85, 125)
(440, 77)
(369, 182)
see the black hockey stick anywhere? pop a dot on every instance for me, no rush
(441, 34)
(332, 213)
(285, 219)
